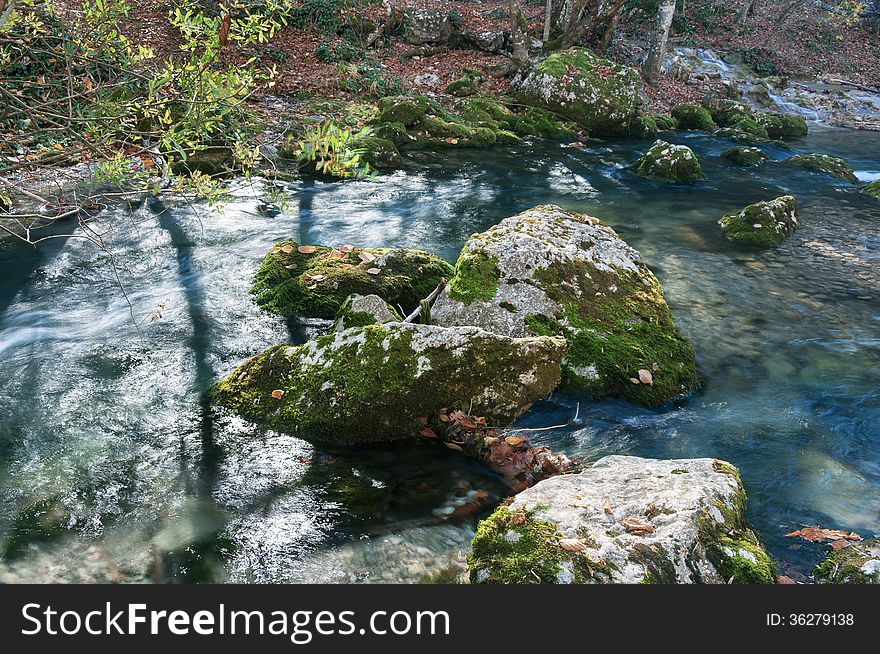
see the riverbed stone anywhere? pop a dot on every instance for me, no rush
(363, 310)
(766, 223)
(666, 162)
(745, 156)
(690, 115)
(549, 271)
(597, 94)
(856, 563)
(783, 126)
(315, 281)
(824, 163)
(384, 382)
(625, 520)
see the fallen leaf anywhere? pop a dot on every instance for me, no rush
(278, 394)
(306, 249)
(515, 441)
(366, 257)
(839, 544)
(607, 507)
(655, 367)
(453, 446)
(634, 380)
(348, 247)
(427, 432)
(275, 250)
(291, 266)
(816, 534)
(287, 249)
(336, 254)
(518, 518)
(572, 545)
(646, 377)
(637, 526)
(782, 579)
(348, 266)
(374, 271)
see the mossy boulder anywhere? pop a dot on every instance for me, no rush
(857, 563)
(872, 189)
(424, 26)
(664, 122)
(384, 382)
(783, 126)
(729, 113)
(625, 520)
(823, 163)
(548, 271)
(693, 116)
(748, 129)
(745, 156)
(597, 94)
(363, 310)
(766, 223)
(666, 162)
(314, 281)
(542, 123)
(380, 153)
(645, 127)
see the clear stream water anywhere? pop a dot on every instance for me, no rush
(111, 468)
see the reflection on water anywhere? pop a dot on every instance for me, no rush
(112, 469)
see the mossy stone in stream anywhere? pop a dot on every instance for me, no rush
(729, 113)
(857, 563)
(548, 271)
(763, 223)
(872, 189)
(693, 116)
(783, 126)
(669, 163)
(665, 123)
(539, 122)
(745, 156)
(315, 281)
(380, 153)
(597, 94)
(748, 128)
(384, 382)
(823, 163)
(645, 127)
(363, 310)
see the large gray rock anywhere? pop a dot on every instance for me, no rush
(625, 520)
(548, 271)
(385, 382)
(362, 310)
(423, 26)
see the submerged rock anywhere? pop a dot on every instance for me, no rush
(666, 162)
(783, 126)
(823, 163)
(745, 156)
(384, 382)
(693, 116)
(625, 520)
(763, 223)
(314, 281)
(548, 271)
(363, 310)
(597, 94)
(856, 563)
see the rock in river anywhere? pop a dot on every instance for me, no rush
(763, 223)
(363, 310)
(548, 271)
(666, 162)
(856, 563)
(597, 94)
(384, 382)
(313, 281)
(625, 520)
(745, 156)
(823, 163)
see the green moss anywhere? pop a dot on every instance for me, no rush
(729, 113)
(348, 316)
(402, 109)
(783, 126)
(669, 163)
(848, 565)
(763, 223)
(476, 278)
(645, 127)
(665, 123)
(315, 285)
(693, 116)
(616, 334)
(823, 163)
(872, 189)
(539, 122)
(659, 568)
(381, 153)
(394, 132)
(463, 86)
(745, 156)
(750, 128)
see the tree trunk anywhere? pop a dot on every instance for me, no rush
(6, 8)
(612, 25)
(548, 20)
(518, 35)
(658, 39)
(748, 9)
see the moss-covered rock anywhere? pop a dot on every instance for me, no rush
(728, 113)
(872, 189)
(380, 153)
(666, 162)
(625, 520)
(763, 223)
(693, 116)
(314, 281)
(745, 156)
(363, 310)
(823, 163)
(548, 271)
(384, 382)
(749, 129)
(783, 126)
(597, 94)
(645, 127)
(857, 563)
(542, 123)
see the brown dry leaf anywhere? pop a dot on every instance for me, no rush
(515, 441)
(306, 249)
(453, 446)
(366, 257)
(489, 441)
(348, 247)
(816, 534)
(637, 526)
(278, 394)
(782, 579)
(646, 377)
(287, 249)
(444, 417)
(607, 507)
(634, 380)
(374, 271)
(348, 266)
(427, 432)
(291, 266)
(336, 254)
(518, 518)
(572, 545)
(839, 544)
(274, 250)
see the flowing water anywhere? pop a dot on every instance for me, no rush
(112, 468)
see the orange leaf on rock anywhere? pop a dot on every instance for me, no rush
(348, 247)
(374, 271)
(637, 526)
(515, 441)
(366, 257)
(336, 254)
(572, 545)
(278, 394)
(816, 534)
(427, 432)
(287, 249)
(306, 249)
(646, 377)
